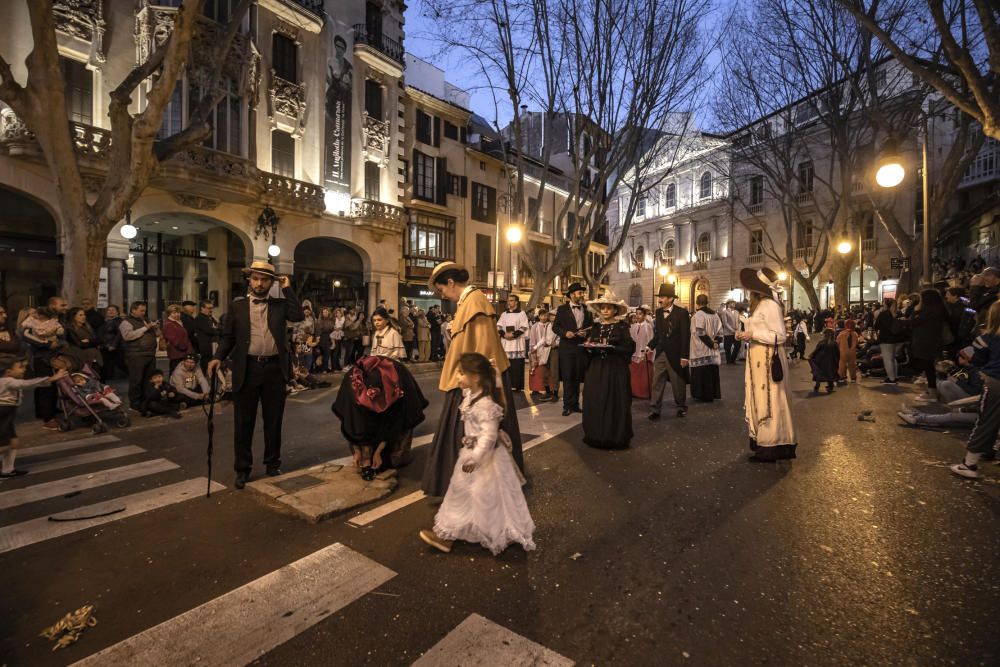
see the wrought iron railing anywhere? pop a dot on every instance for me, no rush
(369, 209)
(378, 41)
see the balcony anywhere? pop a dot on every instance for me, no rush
(804, 197)
(868, 245)
(378, 215)
(986, 166)
(805, 254)
(756, 209)
(290, 193)
(755, 258)
(379, 42)
(376, 139)
(858, 187)
(314, 6)
(288, 99)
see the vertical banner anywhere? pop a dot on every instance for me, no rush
(102, 288)
(339, 95)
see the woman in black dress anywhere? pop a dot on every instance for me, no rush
(607, 391)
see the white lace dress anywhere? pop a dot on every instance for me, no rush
(487, 505)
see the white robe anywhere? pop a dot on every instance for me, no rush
(704, 324)
(541, 341)
(487, 505)
(514, 347)
(768, 415)
(641, 334)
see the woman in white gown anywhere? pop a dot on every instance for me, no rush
(768, 416)
(484, 503)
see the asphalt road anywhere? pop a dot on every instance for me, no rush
(864, 550)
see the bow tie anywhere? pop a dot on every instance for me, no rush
(258, 300)
(578, 307)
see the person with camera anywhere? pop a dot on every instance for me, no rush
(139, 338)
(254, 339)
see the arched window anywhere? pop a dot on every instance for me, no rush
(670, 197)
(706, 185)
(635, 296)
(639, 257)
(670, 251)
(705, 247)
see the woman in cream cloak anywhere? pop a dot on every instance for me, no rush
(473, 329)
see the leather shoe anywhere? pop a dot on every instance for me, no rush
(241, 479)
(566, 413)
(653, 416)
(273, 472)
(682, 412)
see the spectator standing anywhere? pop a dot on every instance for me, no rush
(178, 343)
(435, 320)
(139, 336)
(889, 341)
(353, 330)
(986, 356)
(189, 310)
(112, 352)
(407, 330)
(337, 337)
(94, 317)
(45, 334)
(324, 329)
(926, 328)
(206, 333)
(10, 342)
(730, 324)
(423, 335)
(82, 343)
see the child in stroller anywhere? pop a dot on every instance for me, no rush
(82, 398)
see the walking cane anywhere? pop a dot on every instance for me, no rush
(210, 419)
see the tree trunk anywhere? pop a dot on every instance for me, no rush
(83, 247)
(807, 286)
(841, 270)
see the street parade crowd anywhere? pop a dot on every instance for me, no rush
(596, 356)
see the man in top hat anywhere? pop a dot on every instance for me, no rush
(254, 338)
(572, 321)
(672, 345)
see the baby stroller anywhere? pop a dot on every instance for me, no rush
(75, 409)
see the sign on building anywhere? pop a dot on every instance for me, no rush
(339, 87)
(897, 263)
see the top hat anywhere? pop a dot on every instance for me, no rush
(762, 281)
(667, 290)
(608, 300)
(261, 267)
(441, 268)
(574, 287)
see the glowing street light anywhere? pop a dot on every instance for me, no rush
(782, 276)
(672, 278)
(129, 231)
(844, 247)
(664, 271)
(889, 171)
(274, 250)
(514, 234)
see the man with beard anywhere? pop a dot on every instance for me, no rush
(672, 343)
(254, 334)
(572, 322)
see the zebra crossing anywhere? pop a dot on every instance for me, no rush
(66, 456)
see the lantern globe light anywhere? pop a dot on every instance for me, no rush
(664, 270)
(129, 231)
(274, 250)
(889, 170)
(782, 276)
(514, 234)
(672, 278)
(844, 247)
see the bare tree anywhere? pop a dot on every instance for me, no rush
(135, 152)
(959, 57)
(613, 69)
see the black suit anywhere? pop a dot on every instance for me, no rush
(572, 360)
(206, 332)
(672, 342)
(258, 379)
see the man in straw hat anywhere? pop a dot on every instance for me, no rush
(255, 339)
(672, 345)
(473, 329)
(573, 321)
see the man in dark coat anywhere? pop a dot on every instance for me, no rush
(255, 337)
(188, 314)
(572, 321)
(206, 332)
(672, 343)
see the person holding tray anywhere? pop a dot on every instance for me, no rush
(607, 389)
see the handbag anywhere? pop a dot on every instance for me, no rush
(777, 370)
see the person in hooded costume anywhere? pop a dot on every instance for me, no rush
(768, 415)
(473, 329)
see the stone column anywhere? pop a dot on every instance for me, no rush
(117, 253)
(218, 270)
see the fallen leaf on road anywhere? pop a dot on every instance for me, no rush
(576, 556)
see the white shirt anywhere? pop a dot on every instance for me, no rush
(514, 347)
(388, 343)
(578, 313)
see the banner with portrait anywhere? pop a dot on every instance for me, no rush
(339, 95)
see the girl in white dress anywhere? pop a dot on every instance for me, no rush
(484, 502)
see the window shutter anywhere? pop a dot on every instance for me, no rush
(465, 187)
(491, 205)
(437, 131)
(441, 181)
(413, 172)
(463, 134)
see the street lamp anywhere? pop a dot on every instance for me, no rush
(514, 235)
(782, 276)
(672, 278)
(664, 271)
(128, 230)
(844, 247)
(890, 173)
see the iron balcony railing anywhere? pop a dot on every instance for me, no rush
(379, 42)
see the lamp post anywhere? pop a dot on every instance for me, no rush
(889, 173)
(514, 235)
(845, 247)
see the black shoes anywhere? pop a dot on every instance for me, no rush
(273, 471)
(567, 412)
(653, 416)
(241, 479)
(682, 412)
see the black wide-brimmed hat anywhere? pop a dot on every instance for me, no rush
(574, 287)
(667, 290)
(761, 281)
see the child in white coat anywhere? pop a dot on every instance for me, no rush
(484, 502)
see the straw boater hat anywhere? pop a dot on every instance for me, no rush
(606, 300)
(261, 267)
(762, 281)
(441, 268)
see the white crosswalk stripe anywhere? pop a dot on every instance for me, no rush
(38, 450)
(61, 487)
(479, 641)
(82, 459)
(244, 624)
(43, 528)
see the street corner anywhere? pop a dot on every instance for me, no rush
(323, 491)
